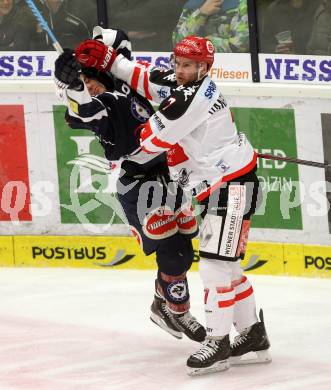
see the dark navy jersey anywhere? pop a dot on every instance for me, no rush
(112, 116)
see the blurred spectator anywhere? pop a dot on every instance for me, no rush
(67, 27)
(224, 22)
(149, 23)
(16, 26)
(288, 25)
(320, 40)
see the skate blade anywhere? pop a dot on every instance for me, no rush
(159, 322)
(216, 367)
(258, 357)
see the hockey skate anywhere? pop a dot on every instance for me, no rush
(213, 356)
(251, 346)
(190, 326)
(163, 317)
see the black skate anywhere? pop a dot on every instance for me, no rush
(163, 317)
(212, 357)
(190, 326)
(251, 346)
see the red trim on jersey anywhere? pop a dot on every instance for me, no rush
(222, 290)
(226, 178)
(227, 303)
(146, 150)
(145, 131)
(147, 94)
(236, 283)
(135, 78)
(176, 155)
(206, 295)
(161, 144)
(244, 294)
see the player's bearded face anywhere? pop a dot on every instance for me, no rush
(187, 70)
(93, 86)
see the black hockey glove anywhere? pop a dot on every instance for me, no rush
(67, 70)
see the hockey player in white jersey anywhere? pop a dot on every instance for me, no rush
(207, 157)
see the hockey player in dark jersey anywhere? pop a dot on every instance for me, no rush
(208, 157)
(161, 221)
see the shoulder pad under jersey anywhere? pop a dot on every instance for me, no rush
(179, 101)
(163, 76)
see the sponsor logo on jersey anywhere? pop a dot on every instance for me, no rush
(187, 91)
(170, 77)
(178, 291)
(158, 122)
(233, 222)
(220, 104)
(162, 93)
(209, 93)
(170, 102)
(139, 110)
(222, 165)
(242, 140)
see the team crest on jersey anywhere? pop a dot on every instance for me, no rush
(139, 110)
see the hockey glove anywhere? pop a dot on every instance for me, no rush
(66, 69)
(144, 132)
(94, 54)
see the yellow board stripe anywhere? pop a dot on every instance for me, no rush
(262, 258)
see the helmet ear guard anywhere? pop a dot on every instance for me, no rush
(197, 49)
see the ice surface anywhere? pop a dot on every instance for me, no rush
(84, 329)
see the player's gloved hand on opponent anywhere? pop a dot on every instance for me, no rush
(94, 54)
(144, 132)
(67, 70)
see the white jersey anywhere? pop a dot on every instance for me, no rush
(193, 125)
